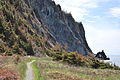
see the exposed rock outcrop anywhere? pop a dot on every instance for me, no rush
(102, 55)
(61, 25)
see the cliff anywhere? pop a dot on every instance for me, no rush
(31, 26)
(40, 27)
(61, 25)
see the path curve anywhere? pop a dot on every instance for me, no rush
(29, 72)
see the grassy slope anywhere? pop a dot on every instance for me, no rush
(46, 69)
(53, 70)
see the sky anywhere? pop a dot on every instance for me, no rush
(101, 20)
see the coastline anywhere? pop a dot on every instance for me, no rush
(114, 59)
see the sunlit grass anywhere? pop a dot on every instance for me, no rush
(22, 67)
(45, 68)
(53, 69)
(37, 73)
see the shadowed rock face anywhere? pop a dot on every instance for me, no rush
(102, 55)
(61, 25)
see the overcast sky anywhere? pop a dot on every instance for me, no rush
(101, 20)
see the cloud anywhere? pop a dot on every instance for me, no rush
(92, 19)
(78, 8)
(77, 3)
(78, 13)
(106, 39)
(115, 12)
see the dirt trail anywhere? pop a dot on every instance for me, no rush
(29, 72)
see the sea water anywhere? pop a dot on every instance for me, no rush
(114, 59)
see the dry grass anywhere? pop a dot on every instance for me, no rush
(61, 76)
(13, 67)
(60, 71)
(52, 70)
(7, 69)
(6, 74)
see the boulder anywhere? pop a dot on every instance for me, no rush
(102, 55)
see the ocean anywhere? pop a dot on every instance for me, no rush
(114, 59)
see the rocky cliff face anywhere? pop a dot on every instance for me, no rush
(61, 25)
(32, 26)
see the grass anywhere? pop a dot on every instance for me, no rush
(57, 70)
(17, 67)
(22, 67)
(46, 69)
(37, 73)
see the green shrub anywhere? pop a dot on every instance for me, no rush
(16, 59)
(27, 47)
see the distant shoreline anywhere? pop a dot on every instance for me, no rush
(114, 59)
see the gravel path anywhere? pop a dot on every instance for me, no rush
(29, 72)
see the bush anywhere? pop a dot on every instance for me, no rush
(16, 59)
(75, 58)
(27, 47)
(72, 58)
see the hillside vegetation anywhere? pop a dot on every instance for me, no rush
(19, 36)
(22, 34)
(45, 68)
(52, 70)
